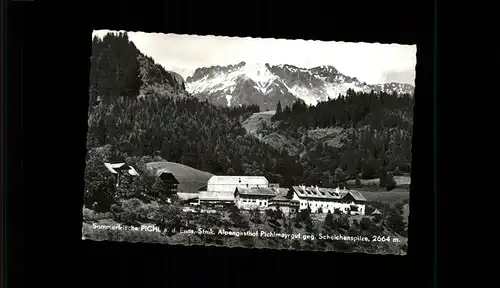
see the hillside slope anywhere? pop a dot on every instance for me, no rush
(261, 126)
(133, 74)
(158, 81)
(190, 179)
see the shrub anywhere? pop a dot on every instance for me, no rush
(404, 247)
(158, 159)
(131, 211)
(390, 182)
(88, 215)
(296, 244)
(396, 222)
(342, 246)
(357, 182)
(116, 209)
(329, 220)
(365, 223)
(399, 208)
(355, 223)
(343, 222)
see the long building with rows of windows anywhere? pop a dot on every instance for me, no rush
(255, 192)
(323, 200)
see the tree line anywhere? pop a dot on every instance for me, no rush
(188, 131)
(211, 138)
(354, 109)
(171, 219)
(377, 142)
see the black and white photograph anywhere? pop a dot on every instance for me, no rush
(249, 142)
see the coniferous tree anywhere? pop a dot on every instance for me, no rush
(278, 110)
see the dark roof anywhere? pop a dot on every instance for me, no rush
(326, 193)
(159, 172)
(170, 178)
(356, 195)
(260, 191)
(166, 175)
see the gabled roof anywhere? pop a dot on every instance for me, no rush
(160, 171)
(166, 175)
(356, 195)
(239, 180)
(316, 192)
(326, 193)
(261, 191)
(118, 166)
(376, 212)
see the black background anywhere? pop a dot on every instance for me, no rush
(50, 45)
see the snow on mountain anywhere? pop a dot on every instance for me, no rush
(259, 73)
(265, 85)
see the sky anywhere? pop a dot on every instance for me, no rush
(373, 63)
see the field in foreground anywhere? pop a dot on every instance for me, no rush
(190, 179)
(182, 229)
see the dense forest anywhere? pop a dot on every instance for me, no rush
(139, 113)
(187, 131)
(355, 109)
(211, 138)
(177, 129)
(378, 139)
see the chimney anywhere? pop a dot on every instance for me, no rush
(317, 189)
